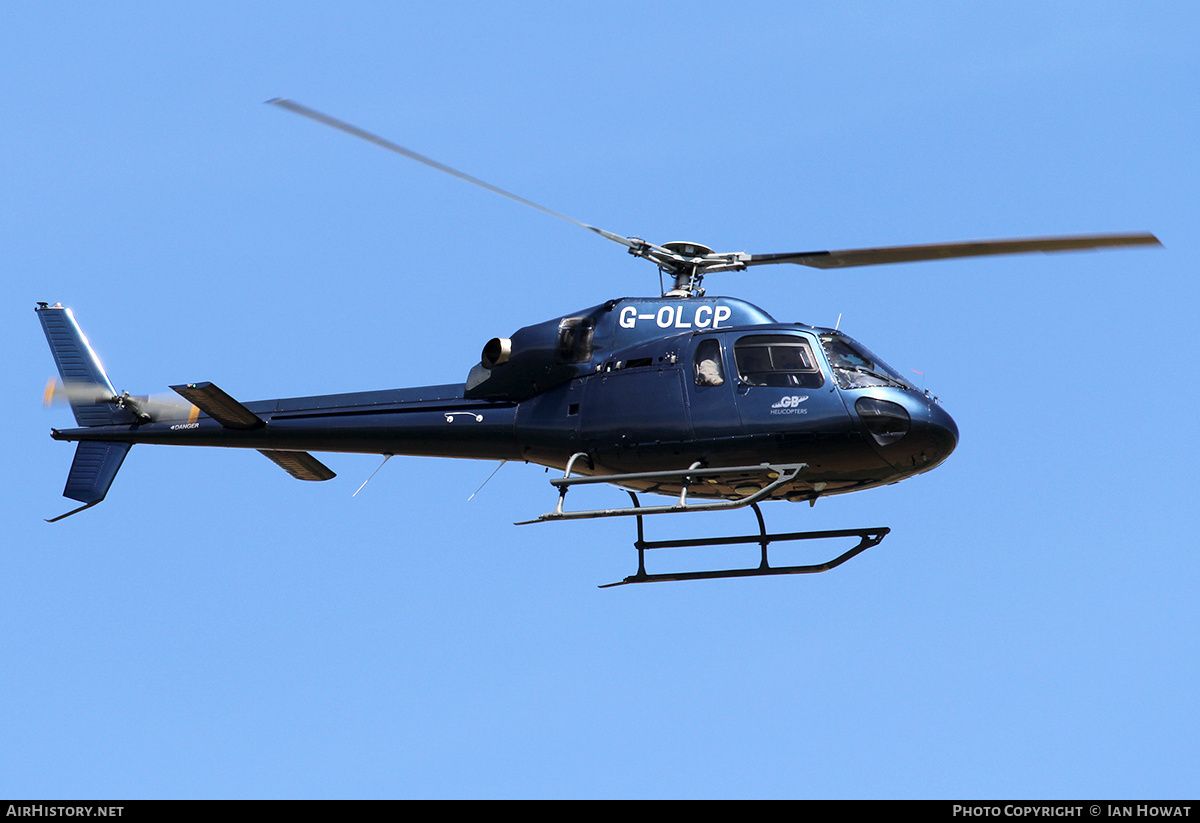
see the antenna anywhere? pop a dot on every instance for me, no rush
(386, 458)
(485, 482)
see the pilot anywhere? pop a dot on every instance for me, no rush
(708, 372)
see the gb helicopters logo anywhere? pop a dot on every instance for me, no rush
(790, 405)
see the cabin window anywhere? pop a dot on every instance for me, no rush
(575, 340)
(778, 360)
(707, 365)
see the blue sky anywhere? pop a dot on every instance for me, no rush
(217, 629)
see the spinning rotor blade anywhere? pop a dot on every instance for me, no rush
(58, 393)
(311, 114)
(942, 251)
(155, 407)
(164, 407)
(688, 263)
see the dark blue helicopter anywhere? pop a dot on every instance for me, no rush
(709, 400)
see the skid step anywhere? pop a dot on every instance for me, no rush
(771, 477)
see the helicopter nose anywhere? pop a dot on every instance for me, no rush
(913, 434)
(940, 435)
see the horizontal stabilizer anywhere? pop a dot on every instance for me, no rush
(219, 406)
(92, 472)
(300, 465)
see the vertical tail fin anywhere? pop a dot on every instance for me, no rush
(92, 472)
(96, 463)
(79, 366)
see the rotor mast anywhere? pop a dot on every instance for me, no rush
(687, 264)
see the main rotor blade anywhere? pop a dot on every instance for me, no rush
(941, 251)
(333, 122)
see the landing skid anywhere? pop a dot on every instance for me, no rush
(772, 477)
(867, 539)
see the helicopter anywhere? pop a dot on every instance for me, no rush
(708, 400)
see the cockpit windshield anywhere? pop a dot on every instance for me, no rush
(855, 367)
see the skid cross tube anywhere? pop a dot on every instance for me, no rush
(867, 539)
(777, 475)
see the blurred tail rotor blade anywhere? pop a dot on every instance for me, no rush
(57, 393)
(49, 395)
(155, 407)
(165, 407)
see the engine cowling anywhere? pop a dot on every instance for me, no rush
(534, 359)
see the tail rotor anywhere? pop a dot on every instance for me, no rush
(146, 409)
